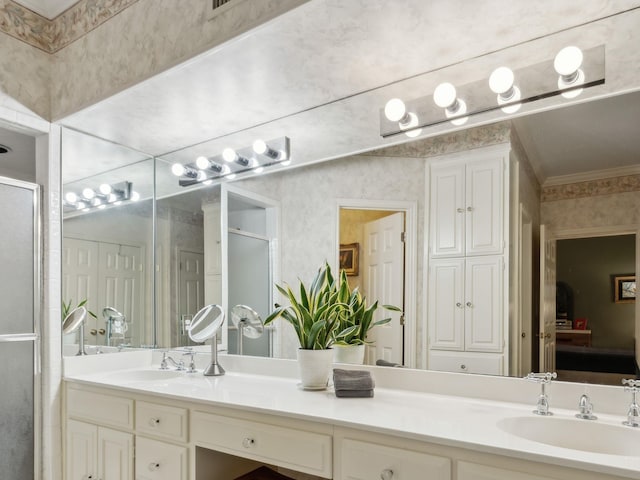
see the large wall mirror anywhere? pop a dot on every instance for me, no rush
(229, 243)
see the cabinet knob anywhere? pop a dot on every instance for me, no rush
(469, 304)
(469, 209)
(248, 442)
(459, 305)
(463, 367)
(460, 210)
(154, 422)
(102, 331)
(387, 474)
(93, 331)
(153, 466)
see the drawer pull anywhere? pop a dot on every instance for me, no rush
(387, 474)
(153, 466)
(154, 422)
(248, 442)
(459, 305)
(463, 367)
(469, 304)
(459, 210)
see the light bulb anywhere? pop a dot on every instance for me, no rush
(568, 61)
(112, 197)
(514, 96)
(501, 80)
(413, 133)
(177, 169)
(105, 189)
(444, 95)
(395, 110)
(202, 163)
(81, 206)
(259, 146)
(460, 110)
(135, 196)
(572, 93)
(88, 193)
(201, 176)
(96, 202)
(71, 197)
(229, 155)
(225, 170)
(410, 124)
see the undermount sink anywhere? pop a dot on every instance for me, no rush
(146, 375)
(584, 435)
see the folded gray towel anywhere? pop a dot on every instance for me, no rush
(354, 393)
(354, 380)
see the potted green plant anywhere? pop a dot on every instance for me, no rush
(355, 323)
(314, 314)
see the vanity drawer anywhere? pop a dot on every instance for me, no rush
(162, 421)
(299, 450)
(474, 471)
(160, 461)
(364, 460)
(465, 362)
(100, 409)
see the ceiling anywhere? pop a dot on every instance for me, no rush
(320, 73)
(47, 8)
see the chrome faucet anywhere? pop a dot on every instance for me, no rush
(633, 415)
(167, 359)
(585, 408)
(542, 407)
(192, 361)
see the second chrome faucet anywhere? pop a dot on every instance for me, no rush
(542, 407)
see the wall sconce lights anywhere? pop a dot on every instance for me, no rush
(230, 163)
(571, 71)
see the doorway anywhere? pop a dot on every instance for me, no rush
(384, 234)
(595, 319)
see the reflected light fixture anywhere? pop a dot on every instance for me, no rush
(567, 63)
(230, 163)
(102, 197)
(501, 82)
(568, 73)
(445, 96)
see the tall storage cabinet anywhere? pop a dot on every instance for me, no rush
(467, 291)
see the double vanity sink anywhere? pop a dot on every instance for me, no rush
(452, 436)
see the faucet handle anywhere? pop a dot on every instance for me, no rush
(192, 362)
(632, 385)
(541, 377)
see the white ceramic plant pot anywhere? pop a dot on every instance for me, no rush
(315, 368)
(349, 354)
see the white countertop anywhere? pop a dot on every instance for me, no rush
(442, 419)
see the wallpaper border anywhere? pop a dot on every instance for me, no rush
(52, 35)
(605, 186)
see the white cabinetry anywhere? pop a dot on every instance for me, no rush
(160, 460)
(467, 211)
(98, 453)
(467, 279)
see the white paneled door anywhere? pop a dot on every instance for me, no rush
(191, 290)
(383, 277)
(547, 300)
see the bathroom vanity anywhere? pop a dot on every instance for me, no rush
(145, 423)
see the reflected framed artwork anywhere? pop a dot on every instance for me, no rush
(624, 288)
(349, 258)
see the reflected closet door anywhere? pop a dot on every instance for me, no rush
(19, 309)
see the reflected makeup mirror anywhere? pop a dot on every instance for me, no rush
(248, 323)
(205, 326)
(74, 320)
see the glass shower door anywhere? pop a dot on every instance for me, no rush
(19, 344)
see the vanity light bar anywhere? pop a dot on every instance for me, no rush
(568, 74)
(230, 163)
(99, 198)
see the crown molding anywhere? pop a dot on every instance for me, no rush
(592, 176)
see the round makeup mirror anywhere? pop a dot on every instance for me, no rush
(248, 322)
(74, 320)
(205, 326)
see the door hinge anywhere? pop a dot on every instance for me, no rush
(403, 237)
(402, 320)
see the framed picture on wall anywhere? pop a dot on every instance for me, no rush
(349, 258)
(624, 288)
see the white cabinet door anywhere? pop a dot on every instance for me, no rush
(447, 217)
(366, 461)
(483, 303)
(446, 304)
(483, 210)
(115, 455)
(81, 450)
